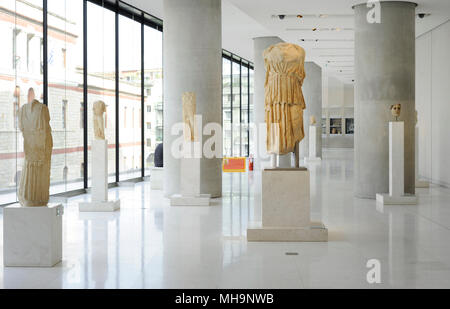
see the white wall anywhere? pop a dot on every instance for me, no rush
(433, 103)
(338, 102)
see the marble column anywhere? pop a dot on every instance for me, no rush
(312, 91)
(385, 75)
(260, 44)
(192, 63)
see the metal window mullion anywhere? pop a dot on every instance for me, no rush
(117, 92)
(248, 111)
(142, 102)
(240, 107)
(85, 97)
(45, 50)
(231, 104)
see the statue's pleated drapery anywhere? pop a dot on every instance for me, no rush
(34, 122)
(284, 101)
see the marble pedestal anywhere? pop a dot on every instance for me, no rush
(314, 136)
(156, 178)
(32, 236)
(419, 183)
(396, 195)
(190, 179)
(286, 208)
(99, 192)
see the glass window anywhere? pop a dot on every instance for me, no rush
(236, 110)
(20, 81)
(251, 114)
(245, 112)
(226, 107)
(101, 78)
(153, 94)
(65, 92)
(130, 98)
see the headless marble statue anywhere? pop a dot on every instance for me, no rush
(284, 101)
(189, 110)
(99, 125)
(34, 123)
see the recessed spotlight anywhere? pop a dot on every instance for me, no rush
(299, 16)
(314, 29)
(303, 40)
(281, 16)
(337, 29)
(423, 15)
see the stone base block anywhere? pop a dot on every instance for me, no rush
(422, 184)
(201, 200)
(316, 232)
(32, 236)
(157, 178)
(99, 206)
(387, 199)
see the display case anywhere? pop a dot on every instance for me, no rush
(349, 126)
(335, 126)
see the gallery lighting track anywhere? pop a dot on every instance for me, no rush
(326, 40)
(308, 16)
(320, 29)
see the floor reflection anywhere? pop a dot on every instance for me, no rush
(148, 244)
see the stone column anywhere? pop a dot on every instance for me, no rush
(385, 75)
(192, 63)
(312, 91)
(260, 44)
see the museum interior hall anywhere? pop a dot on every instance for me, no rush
(224, 144)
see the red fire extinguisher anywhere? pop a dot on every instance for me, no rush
(250, 163)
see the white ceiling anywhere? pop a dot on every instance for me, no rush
(242, 20)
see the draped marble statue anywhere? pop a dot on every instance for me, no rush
(284, 101)
(34, 123)
(99, 126)
(189, 110)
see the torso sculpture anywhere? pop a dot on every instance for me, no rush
(34, 123)
(189, 110)
(284, 101)
(99, 126)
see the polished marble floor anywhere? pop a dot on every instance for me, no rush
(149, 244)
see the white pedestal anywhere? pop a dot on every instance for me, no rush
(156, 178)
(314, 135)
(286, 209)
(190, 181)
(396, 194)
(419, 183)
(99, 190)
(32, 236)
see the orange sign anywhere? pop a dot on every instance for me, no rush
(234, 165)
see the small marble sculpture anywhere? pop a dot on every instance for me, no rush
(312, 120)
(189, 110)
(284, 101)
(99, 125)
(34, 123)
(396, 110)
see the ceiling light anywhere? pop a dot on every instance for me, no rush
(323, 15)
(337, 29)
(299, 16)
(314, 29)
